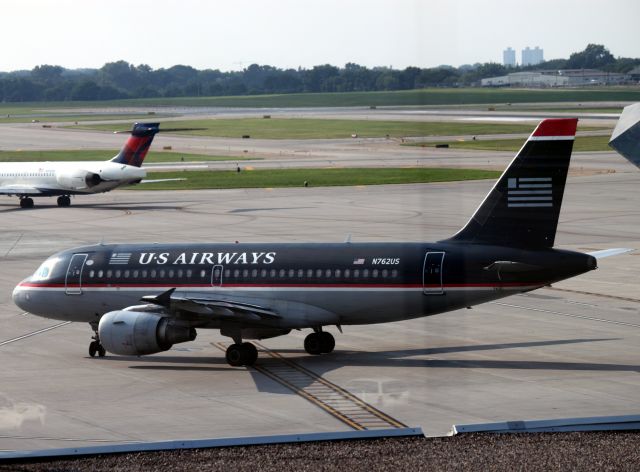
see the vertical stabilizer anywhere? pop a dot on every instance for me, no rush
(137, 146)
(523, 207)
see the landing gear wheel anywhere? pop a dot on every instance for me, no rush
(251, 353)
(26, 202)
(101, 351)
(64, 201)
(234, 355)
(241, 354)
(327, 342)
(93, 348)
(312, 344)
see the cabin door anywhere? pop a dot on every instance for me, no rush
(432, 273)
(73, 279)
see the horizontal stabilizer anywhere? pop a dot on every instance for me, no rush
(610, 252)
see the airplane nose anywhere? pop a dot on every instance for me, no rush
(20, 297)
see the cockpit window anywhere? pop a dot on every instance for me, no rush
(45, 270)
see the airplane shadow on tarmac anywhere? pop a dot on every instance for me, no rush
(396, 358)
(120, 206)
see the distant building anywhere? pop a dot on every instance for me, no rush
(509, 57)
(557, 78)
(531, 57)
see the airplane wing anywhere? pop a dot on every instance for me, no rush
(212, 308)
(154, 181)
(609, 252)
(19, 190)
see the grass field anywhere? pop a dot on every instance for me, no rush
(431, 96)
(53, 117)
(103, 155)
(304, 128)
(314, 177)
(581, 144)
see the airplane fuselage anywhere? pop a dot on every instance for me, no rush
(307, 285)
(66, 178)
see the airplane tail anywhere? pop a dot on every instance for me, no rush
(135, 149)
(523, 207)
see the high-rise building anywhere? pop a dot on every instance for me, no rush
(531, 57)
(509, 57)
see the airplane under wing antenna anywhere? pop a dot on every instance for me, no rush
(347, 239)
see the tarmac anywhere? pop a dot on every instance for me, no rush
(570, 350)
(566, 351)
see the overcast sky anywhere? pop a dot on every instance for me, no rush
(232, 34)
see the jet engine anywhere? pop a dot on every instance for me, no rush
(78, 179)
(138, 333)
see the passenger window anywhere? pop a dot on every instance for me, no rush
(374, 273)
(338, 273)
(365, 273)
(126, 274)
(152, 273)
(180, 272)
(189, 273)
(385, 273)
(254, 273)
(118, 273)
(309, 273)
(109, 273)
(263, 273)
(347, 273)
(203, 273)
(245, 273)
(171, 273)
(291, 273)
(300, 273)
(356, 273)
(135, 273)
(144, 274)
(227, 273)
(272, 273)
(328, 273)
(91, 273)
(236, 273)
(319, 273)
(281, 273)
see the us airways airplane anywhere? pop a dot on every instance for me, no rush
(256, 291)
(46, 179)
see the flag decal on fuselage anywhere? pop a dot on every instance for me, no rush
(120, 258)
(532, 192)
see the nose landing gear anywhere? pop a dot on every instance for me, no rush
(94, 346)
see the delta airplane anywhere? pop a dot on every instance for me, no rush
(46, 179)
(256, 291)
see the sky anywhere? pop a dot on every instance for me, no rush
(232, 34)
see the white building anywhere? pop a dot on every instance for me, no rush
(531, 57)
(509, 57)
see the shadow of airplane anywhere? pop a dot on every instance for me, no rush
(407, 358)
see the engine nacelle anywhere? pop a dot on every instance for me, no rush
(78, 179)
(133, 333)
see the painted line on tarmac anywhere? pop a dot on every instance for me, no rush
(569, 315)
(40, 331)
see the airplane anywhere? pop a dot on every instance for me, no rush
(257, 291)
(625, 138)
(46, 179)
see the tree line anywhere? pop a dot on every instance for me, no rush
(118, 80)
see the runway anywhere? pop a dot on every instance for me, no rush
(566, 351)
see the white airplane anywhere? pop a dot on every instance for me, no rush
(63, 179)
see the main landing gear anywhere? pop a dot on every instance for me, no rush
(64, 201)
(94, 346)
(239, 354)
(319, 342)
(26, 202)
